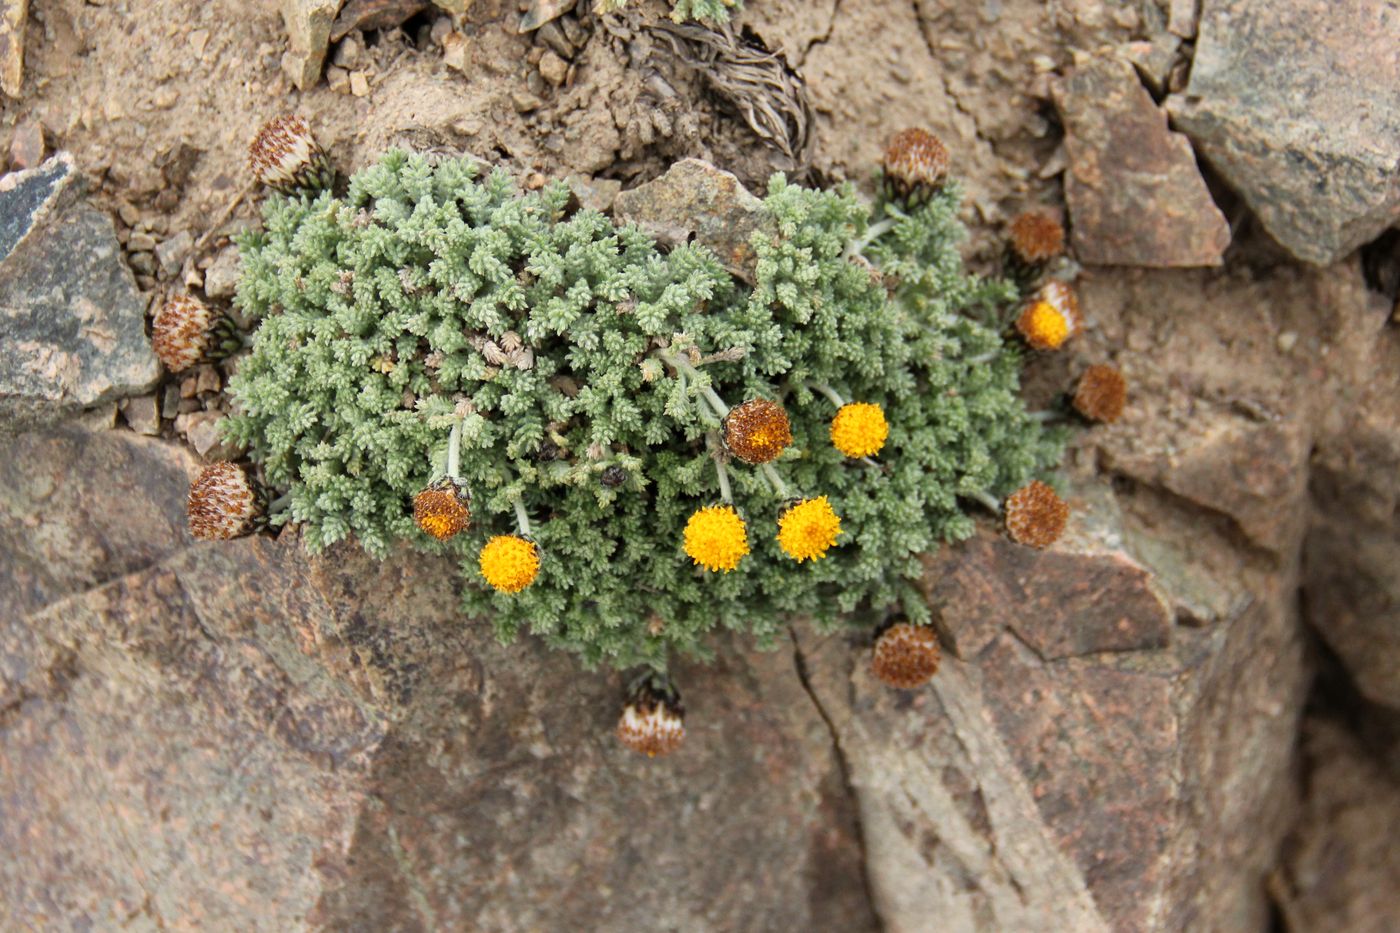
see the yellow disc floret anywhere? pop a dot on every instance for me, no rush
(859, 429)
(808, 529)
(1043, 326)
(715, 538)
(510, 563)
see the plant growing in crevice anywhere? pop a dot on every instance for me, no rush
(444, 361)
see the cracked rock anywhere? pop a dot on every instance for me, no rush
(72, 324)
(1122, 153)
(1297, 104)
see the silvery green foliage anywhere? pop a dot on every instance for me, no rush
(706, 11)
(427, 294)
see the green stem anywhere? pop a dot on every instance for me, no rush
(522, 521)
(829, 392)
(778, 485)
(454, 452)
(992, 504)
(726, 495)
(683, 368)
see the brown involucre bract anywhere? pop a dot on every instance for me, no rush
(652, 721)
(222, 503)
(1102, 394)
(757, 431)
(906, 655)
(1036, 236)
(443, 509)
(285, 156)
(915, 165)
(1036, 515)
(182, 331)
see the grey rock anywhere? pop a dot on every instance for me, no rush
(308, 25)
(696, 201)
(221, 278)
(171, 253)
(1297, 105)
(72, 324)
(1121, 152)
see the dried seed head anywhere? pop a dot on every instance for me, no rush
(906, 656)
(1102, 394)
(222, 503)
(652, 722)
(509, 563)
(859, 429)
(443, 509)
(716, 538)
(1051, 318)
(1036, 236)
(757, 431)
(613, 477)
(182, 332)
(916, 165)
(807, 530)
(285, 156)
(1036, 515)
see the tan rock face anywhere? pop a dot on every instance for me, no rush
(1135, 195)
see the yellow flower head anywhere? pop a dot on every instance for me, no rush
(1052, 318)
(859, 429)
(510, 563)
(715, 538)
(808, 529)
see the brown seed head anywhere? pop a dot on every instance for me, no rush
(1036, 236)
(221, 504)
(906, 655)
(284, 155)
(442, 509)
(1102, 394)
(757, 431)
(652, 723)
(916, 164)
(1036, 515)
(182, 332)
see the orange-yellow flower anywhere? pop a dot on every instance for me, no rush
(859, 429)
(442, 509)
(1051, 318)
(807, 530)
(509, 563)
(716, 538)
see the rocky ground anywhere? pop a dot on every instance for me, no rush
(1183, 716)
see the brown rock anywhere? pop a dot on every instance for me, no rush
(696, 201)
(982, 587)
(361, 15)
(14, 16)
(553, 68)
(1297, 104)
(308, 25)
(1342, 862)
(27, 145)
(539, 12)
(1121, 152)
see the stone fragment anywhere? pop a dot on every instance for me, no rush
(308, 25)
(362, 15)
(201, 429)
(142, 413)
(359, 84)
(1153, 58)
(553, 68)
(455, 7)
(14, 15)
(1341, 863)
(171, 253)
(221, 278)
(72, 324)
(594, 193)
(539, 12)
(1122, 153)
(27, 145)
(696, 201)
(455, 49)
(1297, 105)
(1182, 17)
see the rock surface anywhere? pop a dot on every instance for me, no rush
(72, 324)
(694, 201)
(1297, 104)
(14, 16)
(308, 25)
(1122, 153)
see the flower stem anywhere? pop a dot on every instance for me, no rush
(725, 493)
(454, 452)
(872, 233)
(684, 369)
(983, 497)
(778, 485)
(829, 392)
(522, 521)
